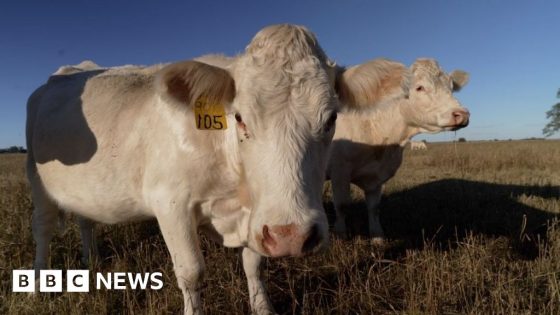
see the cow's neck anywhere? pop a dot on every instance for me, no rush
(383, 126)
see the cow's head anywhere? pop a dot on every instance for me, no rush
(432, 107)
(282, 98)
(281, 103)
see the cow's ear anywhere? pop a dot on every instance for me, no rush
(369, 84)
(460, 78)
(187, 81)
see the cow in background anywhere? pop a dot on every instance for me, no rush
(418, 146)
(368, 146)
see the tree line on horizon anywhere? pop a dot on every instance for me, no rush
(13, 149)
(554, 115)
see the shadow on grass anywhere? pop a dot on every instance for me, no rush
(445, 211)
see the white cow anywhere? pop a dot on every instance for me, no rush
(120, 144)
(418, 145)
(367, 147)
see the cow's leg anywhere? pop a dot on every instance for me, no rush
(373, 197)
(260, 303)
(180, 234)
(44, 221)
(89, 244)
(341, 199)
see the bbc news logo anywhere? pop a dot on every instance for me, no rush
(78, 281)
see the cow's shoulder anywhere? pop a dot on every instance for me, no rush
(124, 77)
(103, 78)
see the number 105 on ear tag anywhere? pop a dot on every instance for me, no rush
(209, 116)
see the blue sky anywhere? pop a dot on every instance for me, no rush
(510, 48)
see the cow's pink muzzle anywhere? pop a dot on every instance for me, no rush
(287, 240)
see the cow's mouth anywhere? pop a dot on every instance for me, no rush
(455, 127)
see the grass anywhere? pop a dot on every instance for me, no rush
(473, 229)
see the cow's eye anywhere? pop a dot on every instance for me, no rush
(330, 122)
(420, 88)
(238, 117)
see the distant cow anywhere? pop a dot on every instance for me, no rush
(367, 147)
(418, 145)
(237, 151)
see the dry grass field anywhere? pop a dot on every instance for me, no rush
(473, 229)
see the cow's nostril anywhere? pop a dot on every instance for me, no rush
(312, 241)
(460, 117)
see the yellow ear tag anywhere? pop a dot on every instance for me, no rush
(209, 116)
